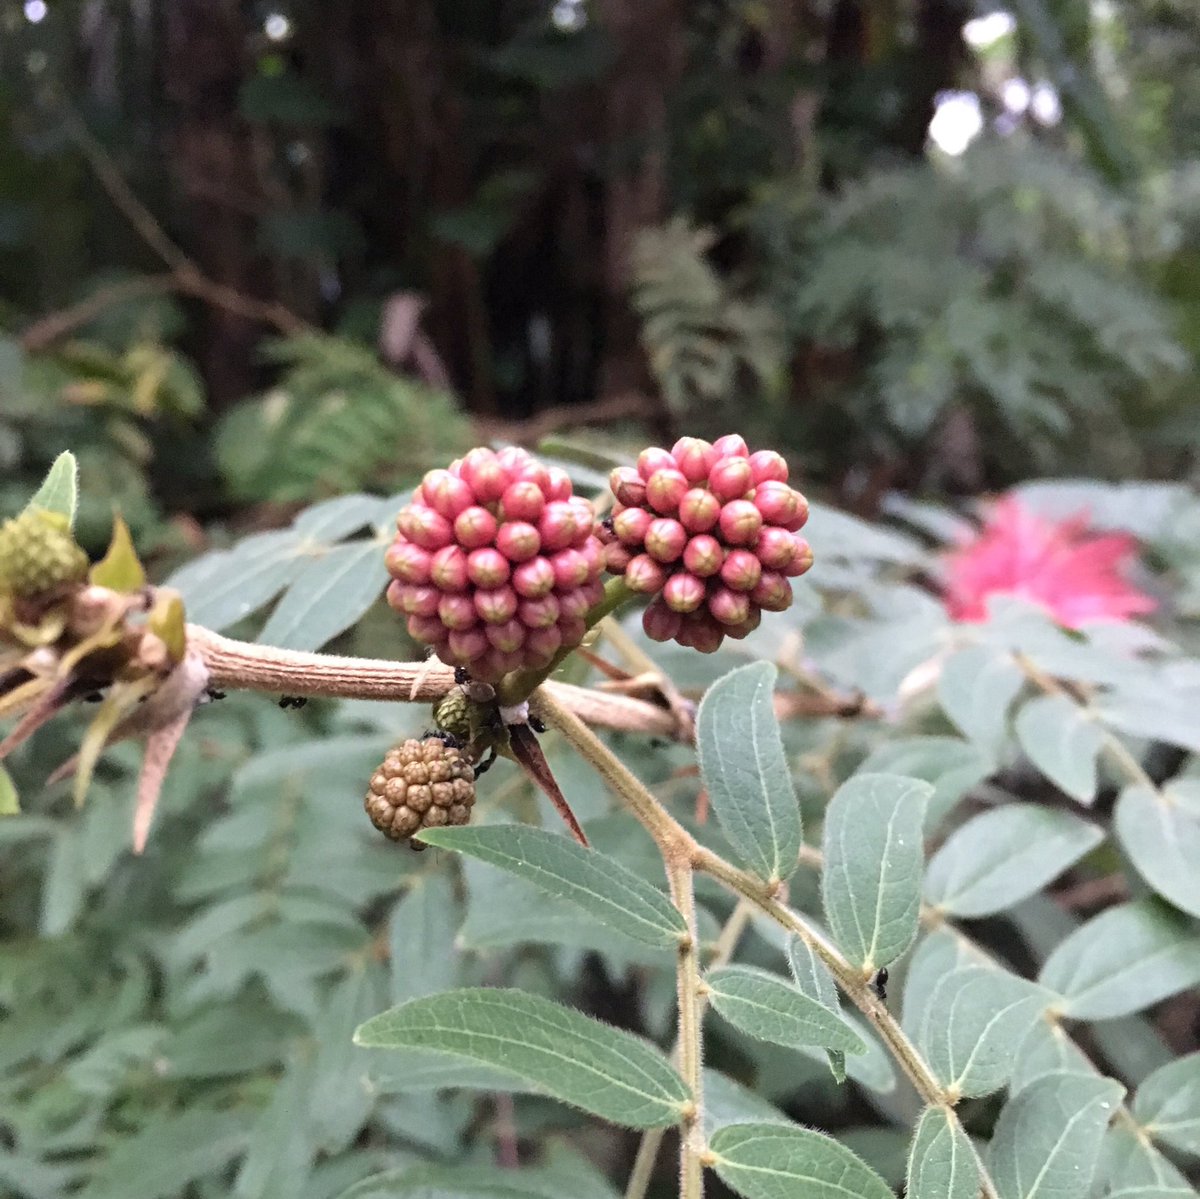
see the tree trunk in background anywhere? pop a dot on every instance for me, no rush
(649, 40)
(210, 148)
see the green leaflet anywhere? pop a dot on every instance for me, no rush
(1048, 1137)
(1160, 831)
(974, 1022)
(1124, 960)
(329, 595)
(746, 773)
(773, 1161)
(1062, 742)
(941, 1163)
(1001, 857)
(590, 880)
(1167, 1104)
(770, 1008)
(603, 1070)
(422, 953)
(976, 689)
(871, 884)
(59, 490)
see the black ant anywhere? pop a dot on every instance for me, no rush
(462, 676)
(879, 983)
(292, 702)
(447, 738)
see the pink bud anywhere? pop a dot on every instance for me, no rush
(487, 478)
(704, 555)
(740, 522)
(498, 606)
(446, 494)
(644, 576)
(773, 593)
(593, 556)
(518, 541)
(541, 645)
(707, 634)
(495, 664)
(474, 527)
(695, 457)
(407, 562)
(573, 604)
(572, 629)
(532, 471)
(630, 526)
(558, 526)
(534, 578)
(522, 500)
(730, 479)
(774, 548)
(570, 569)
(427, 629)
(457, 612)
(515, 460)
(594, 591)
(558, 483)
(665, 539)
(420, 601)
(424, 527)
(699, 510)
(585, 519)
(448, 569)
(487, 568)
(740, 571)
(466, 645)
(777, 502)
(538, 613)
(801, 518)
(653, 459)
(659, 622)
(507, 637)
(616, 558)
(729, 607)
(802, 558)
(738, 631)
(395, 595)
(683, 592)
(731, 446)
(627, 485)
(766, 465)
(664, 489)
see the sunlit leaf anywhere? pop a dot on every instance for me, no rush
(10, 805)
(59, 491)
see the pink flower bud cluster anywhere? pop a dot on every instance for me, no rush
(495, 563)
(711, 531)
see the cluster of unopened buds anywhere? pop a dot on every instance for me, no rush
(495, 563)
(711, 531)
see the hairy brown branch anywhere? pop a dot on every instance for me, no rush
(241, 665)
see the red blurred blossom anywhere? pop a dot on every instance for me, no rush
(1077, 577)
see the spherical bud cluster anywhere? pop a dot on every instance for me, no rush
(38, 554)
(420, 784)
(712, 532)
(495, 563)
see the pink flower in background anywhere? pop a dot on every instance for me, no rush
(1076, 577)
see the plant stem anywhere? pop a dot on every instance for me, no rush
(651, 1142)
(240, 665)
(521, 684)
(687, 967)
